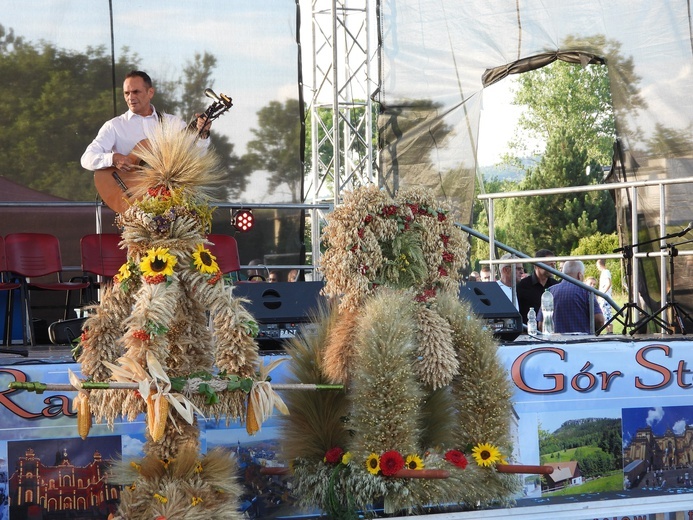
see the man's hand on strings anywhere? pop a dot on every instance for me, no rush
(123, 162)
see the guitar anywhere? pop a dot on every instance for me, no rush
(116, 187)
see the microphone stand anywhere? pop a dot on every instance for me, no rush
(678, 313)
(624, 315)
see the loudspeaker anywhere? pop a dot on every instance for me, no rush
(279, 308)
(491, 305)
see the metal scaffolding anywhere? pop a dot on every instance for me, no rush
(341, 110)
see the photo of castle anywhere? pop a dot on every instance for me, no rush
(658, 447)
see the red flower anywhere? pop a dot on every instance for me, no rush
(363, 269)
(441, 217)
(361, 232)
(442, 271)
(334, 455)
(448, 256)
(445, 239)
(414, 208)
(391, 462)
(457, 458)
(368, 219)
(426, 295)
(160, 190)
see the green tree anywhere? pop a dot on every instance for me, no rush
(558, 221)
(599, 244)
(53, 102)
(276, 145)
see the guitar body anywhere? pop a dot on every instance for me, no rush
(117, 188)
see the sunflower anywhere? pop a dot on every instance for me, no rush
(413, 462)
(158, 262)
(486, 454)
(205, 261)
(373, 464)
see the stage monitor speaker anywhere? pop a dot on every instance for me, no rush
(280, 308)
(491, 305)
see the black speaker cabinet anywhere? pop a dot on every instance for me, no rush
(491, 305)
(280, 308)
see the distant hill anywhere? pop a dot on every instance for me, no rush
(505, 172)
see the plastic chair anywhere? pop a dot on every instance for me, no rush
(101, 257)
(36, 255)
(225, 249)
(9, 287)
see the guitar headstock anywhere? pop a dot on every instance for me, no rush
(221, 104)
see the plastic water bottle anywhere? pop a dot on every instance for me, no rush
(547, 312)
(532, 322)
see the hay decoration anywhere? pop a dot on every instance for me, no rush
(401, 340)
(152, 325)
(152, 486)
(340, 350)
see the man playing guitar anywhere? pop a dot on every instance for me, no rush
(117, 139)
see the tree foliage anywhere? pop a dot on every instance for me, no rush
(53, 102)
(558, 221)
(568, 107)
(275, 146)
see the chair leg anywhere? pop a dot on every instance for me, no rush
(27, 318)
(7, 339)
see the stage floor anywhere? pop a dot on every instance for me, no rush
(51, 353)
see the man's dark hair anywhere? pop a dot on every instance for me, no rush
(543, 253)
(140, 74)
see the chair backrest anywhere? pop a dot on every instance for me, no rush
(33, 254)
(3, 260)
(225, 249)
(101, 254)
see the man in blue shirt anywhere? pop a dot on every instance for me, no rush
(572, 303)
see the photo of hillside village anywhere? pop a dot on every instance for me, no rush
(586, 455)
(658, 448)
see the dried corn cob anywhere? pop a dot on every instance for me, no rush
(251, 424)
(157, 413)
(83, 415)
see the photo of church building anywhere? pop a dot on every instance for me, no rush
(75, 479)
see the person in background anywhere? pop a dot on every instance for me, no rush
(591, 281)
(486, 274)
(506, 281)
(273, 276)
(605, 287)
(119, 136)
(473, 277)
(293, 275)
(530, 288)
(572, 303)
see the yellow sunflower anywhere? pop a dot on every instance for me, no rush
(413, 462)
(158, 262)
(205, 261)
(373, 464)
(486, 454)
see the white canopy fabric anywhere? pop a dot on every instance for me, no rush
(437, 53)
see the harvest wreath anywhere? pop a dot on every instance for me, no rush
(425, 390)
